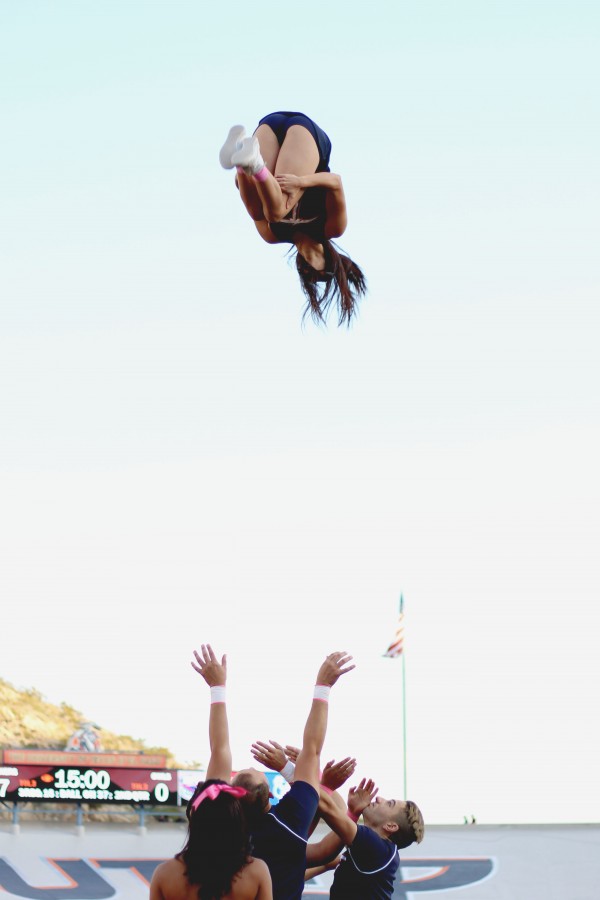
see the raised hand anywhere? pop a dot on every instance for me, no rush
(207, 664)
(335, 665)
(335, 774)
(360, 797)
(292, 753)
(271, 755)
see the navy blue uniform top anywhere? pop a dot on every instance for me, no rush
(280, 839)
(368, 868)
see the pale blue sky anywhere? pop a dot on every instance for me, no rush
(181, 462)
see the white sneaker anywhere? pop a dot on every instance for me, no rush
(233, 143)
(248, 155)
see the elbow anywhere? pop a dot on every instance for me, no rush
(277, 214)
(335, 231)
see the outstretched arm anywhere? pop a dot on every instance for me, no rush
(215, 675)
(307, 765)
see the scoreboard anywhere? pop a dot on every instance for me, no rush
(88, 785)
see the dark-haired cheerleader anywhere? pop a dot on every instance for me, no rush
(285, 183)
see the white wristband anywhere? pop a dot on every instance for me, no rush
(288, 771)
(322, 692)
(217, 693)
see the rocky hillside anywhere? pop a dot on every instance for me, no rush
(28, 720)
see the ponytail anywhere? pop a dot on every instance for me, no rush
(344, 285)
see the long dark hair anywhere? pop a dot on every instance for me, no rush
(343, 283)
(217, 845)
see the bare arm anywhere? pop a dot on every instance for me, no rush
(155, 888)
(339, 820)
(321, 852)
(328, 180)
(215, 675)
(318, 870)
(265, 887)
(334, 775)
(307, 765)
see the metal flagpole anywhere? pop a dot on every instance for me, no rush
(396, 649)
(403, 654)
(404, 719)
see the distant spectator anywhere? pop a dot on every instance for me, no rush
(85, 740)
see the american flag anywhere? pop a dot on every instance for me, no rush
(397, 646)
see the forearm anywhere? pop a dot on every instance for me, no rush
(218, 734)
(314, 871)
(319, 870)
(218, 728)
(323, 851)
(326, 797)
(338, 820)
(315, 728)
(214, 674)
(328, 180)
(307, 765)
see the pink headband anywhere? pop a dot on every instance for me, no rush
(213, 791)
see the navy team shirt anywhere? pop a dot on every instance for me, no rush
(368, 868)
(280, 839)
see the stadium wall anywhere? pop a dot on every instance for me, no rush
(54, 862)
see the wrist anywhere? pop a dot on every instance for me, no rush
(321, 692)
(218, 693)
(288, 771)
(352, 815)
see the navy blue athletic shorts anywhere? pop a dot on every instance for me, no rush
(281, 121)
